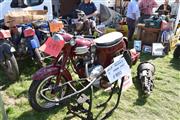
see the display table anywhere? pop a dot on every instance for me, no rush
(147, 35)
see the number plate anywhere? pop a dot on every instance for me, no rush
(118, 69)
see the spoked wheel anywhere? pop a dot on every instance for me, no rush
(10, 67)
(41, 94)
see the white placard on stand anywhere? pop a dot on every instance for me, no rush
(118, 69)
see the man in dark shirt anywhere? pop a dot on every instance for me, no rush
(89, 8)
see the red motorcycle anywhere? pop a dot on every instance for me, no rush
(88, 57)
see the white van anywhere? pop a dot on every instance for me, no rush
(12, 5)
(108, 3)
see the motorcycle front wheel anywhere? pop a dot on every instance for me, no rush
(40, 93)
(10, 68)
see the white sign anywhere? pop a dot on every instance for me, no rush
(118, 69)
(157, 49)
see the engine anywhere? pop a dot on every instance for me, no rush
(146, 72)
(85, 57)
(82, 58)
(94, 72)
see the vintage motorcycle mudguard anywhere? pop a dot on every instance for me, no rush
(33, 42)
(5, 50)
(50, 70)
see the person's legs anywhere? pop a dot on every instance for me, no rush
(131, 28)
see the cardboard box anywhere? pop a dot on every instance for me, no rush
(39, 17)
(20, 17)
(11, 21)
(38, 12)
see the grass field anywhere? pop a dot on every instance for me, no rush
(162, 104)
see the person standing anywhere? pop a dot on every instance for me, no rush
(175, 7)
(132, 16)
(146, 8)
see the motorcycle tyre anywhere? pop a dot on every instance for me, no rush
(14, 73)
(32, 97)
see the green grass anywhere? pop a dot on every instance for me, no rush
(162, 104)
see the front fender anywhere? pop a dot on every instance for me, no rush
(5, 50)
(50, 70)
(33, 42)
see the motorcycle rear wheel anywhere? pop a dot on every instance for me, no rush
(36, 99)
(10, 68)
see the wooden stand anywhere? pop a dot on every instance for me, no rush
(147, 35)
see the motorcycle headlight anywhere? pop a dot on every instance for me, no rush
(57, 37)
(93, 48)
(72, 42)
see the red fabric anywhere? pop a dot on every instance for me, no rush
(52, 47)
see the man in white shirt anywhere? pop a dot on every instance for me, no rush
(133, 14)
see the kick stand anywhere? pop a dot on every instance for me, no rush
(77, 108)
(111, 94)
(109, 113)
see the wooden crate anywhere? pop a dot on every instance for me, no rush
(149, 35)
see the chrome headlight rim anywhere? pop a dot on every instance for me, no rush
(72, 42)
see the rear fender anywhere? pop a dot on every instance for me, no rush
(50, 70)
(33, 42)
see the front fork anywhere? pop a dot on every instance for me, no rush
(64, 60)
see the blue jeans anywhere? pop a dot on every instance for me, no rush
(131, 27)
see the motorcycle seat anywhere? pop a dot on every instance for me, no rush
(109, 39)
